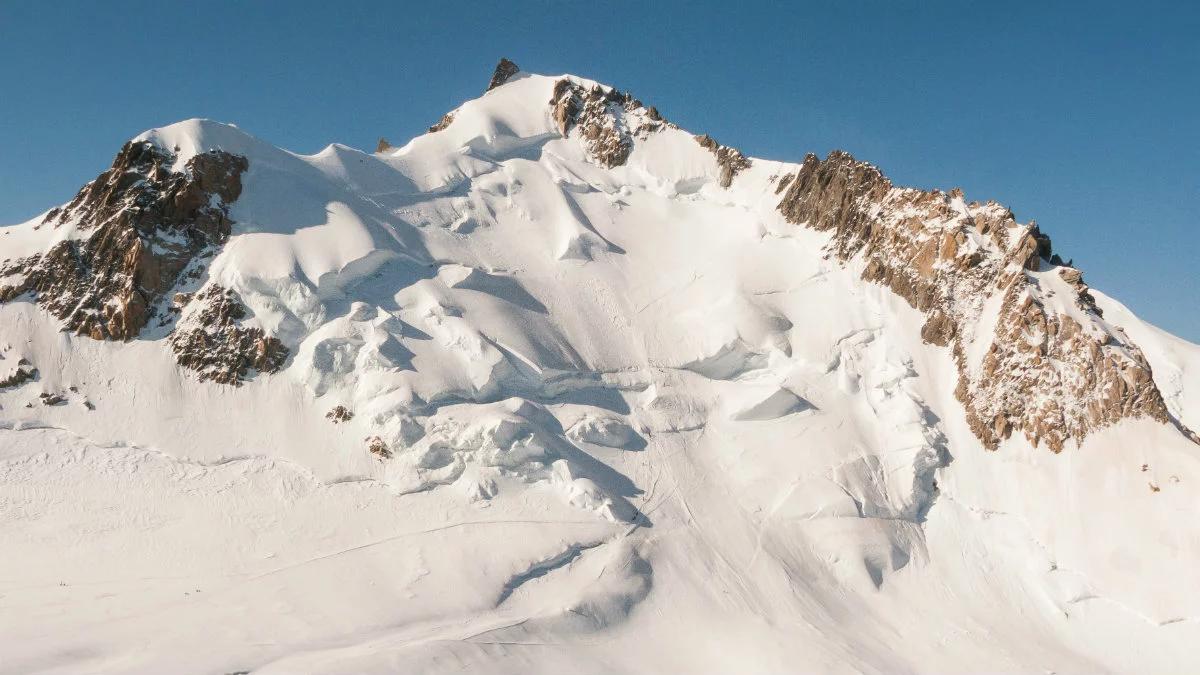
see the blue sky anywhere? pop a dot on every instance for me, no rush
(1084, 117)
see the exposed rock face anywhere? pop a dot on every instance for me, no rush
(503, 73)
(383, 145)
(446, 120)
(339, 414)
(20, 375)
(731, 160)
(1048, 373)
(607, 119)
(147, 230)
(145, 225)
(210, 340)
(378, 447)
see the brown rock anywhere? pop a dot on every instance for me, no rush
(1001, 427)
(503, 73)
(211, 340)
(49, 399)
(379, 448)
(950, 242)
(1043, 374)
(19, 376)
(593, 112)
(339, 413)
(831, 195)
(565, 105)
(938, 329)
(446, 121)
(149, 225)
(730, 160)
(1026, 254)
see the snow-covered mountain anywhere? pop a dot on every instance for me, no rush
(561, 387)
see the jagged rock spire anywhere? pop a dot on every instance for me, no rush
(503, 73)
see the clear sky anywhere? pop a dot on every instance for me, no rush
(1084, 117)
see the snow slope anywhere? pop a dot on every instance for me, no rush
(637, 422)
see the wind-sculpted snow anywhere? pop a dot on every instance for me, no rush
(561, 387)
(476, 449)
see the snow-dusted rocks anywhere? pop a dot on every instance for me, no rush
(1050, 370)
(128, 247)
(608, 120)
(210, 339)
(731, 160)
(560, 387)
(505, 69)
(128, 238)
(15, 371)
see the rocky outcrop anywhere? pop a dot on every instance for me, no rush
(608, 120)
(730, 160)
(1049, 374)
(17, 376)
(339, 414)
(503, 73)
(383, 145)
(378, 447)
(1054, 378)
(837, 195)
(50, 399)
(211, 340)
(143, 231)
(598, 115)
(446, 121)
(144, 225)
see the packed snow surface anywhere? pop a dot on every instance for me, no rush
(637, 423)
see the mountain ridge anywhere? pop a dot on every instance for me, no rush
(839, 193)
(560, 385)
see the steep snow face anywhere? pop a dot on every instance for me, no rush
(561, 386)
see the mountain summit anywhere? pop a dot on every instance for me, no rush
(560, 385)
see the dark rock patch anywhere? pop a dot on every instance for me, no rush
(503, 73)
(731, 160)
(211, 340)
(605, 119)
(18, 377)
(339, 414)
(149, 230)
(145, 225)
(49, 399)
(1044, 374)
(446, 121)
(378, 447)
